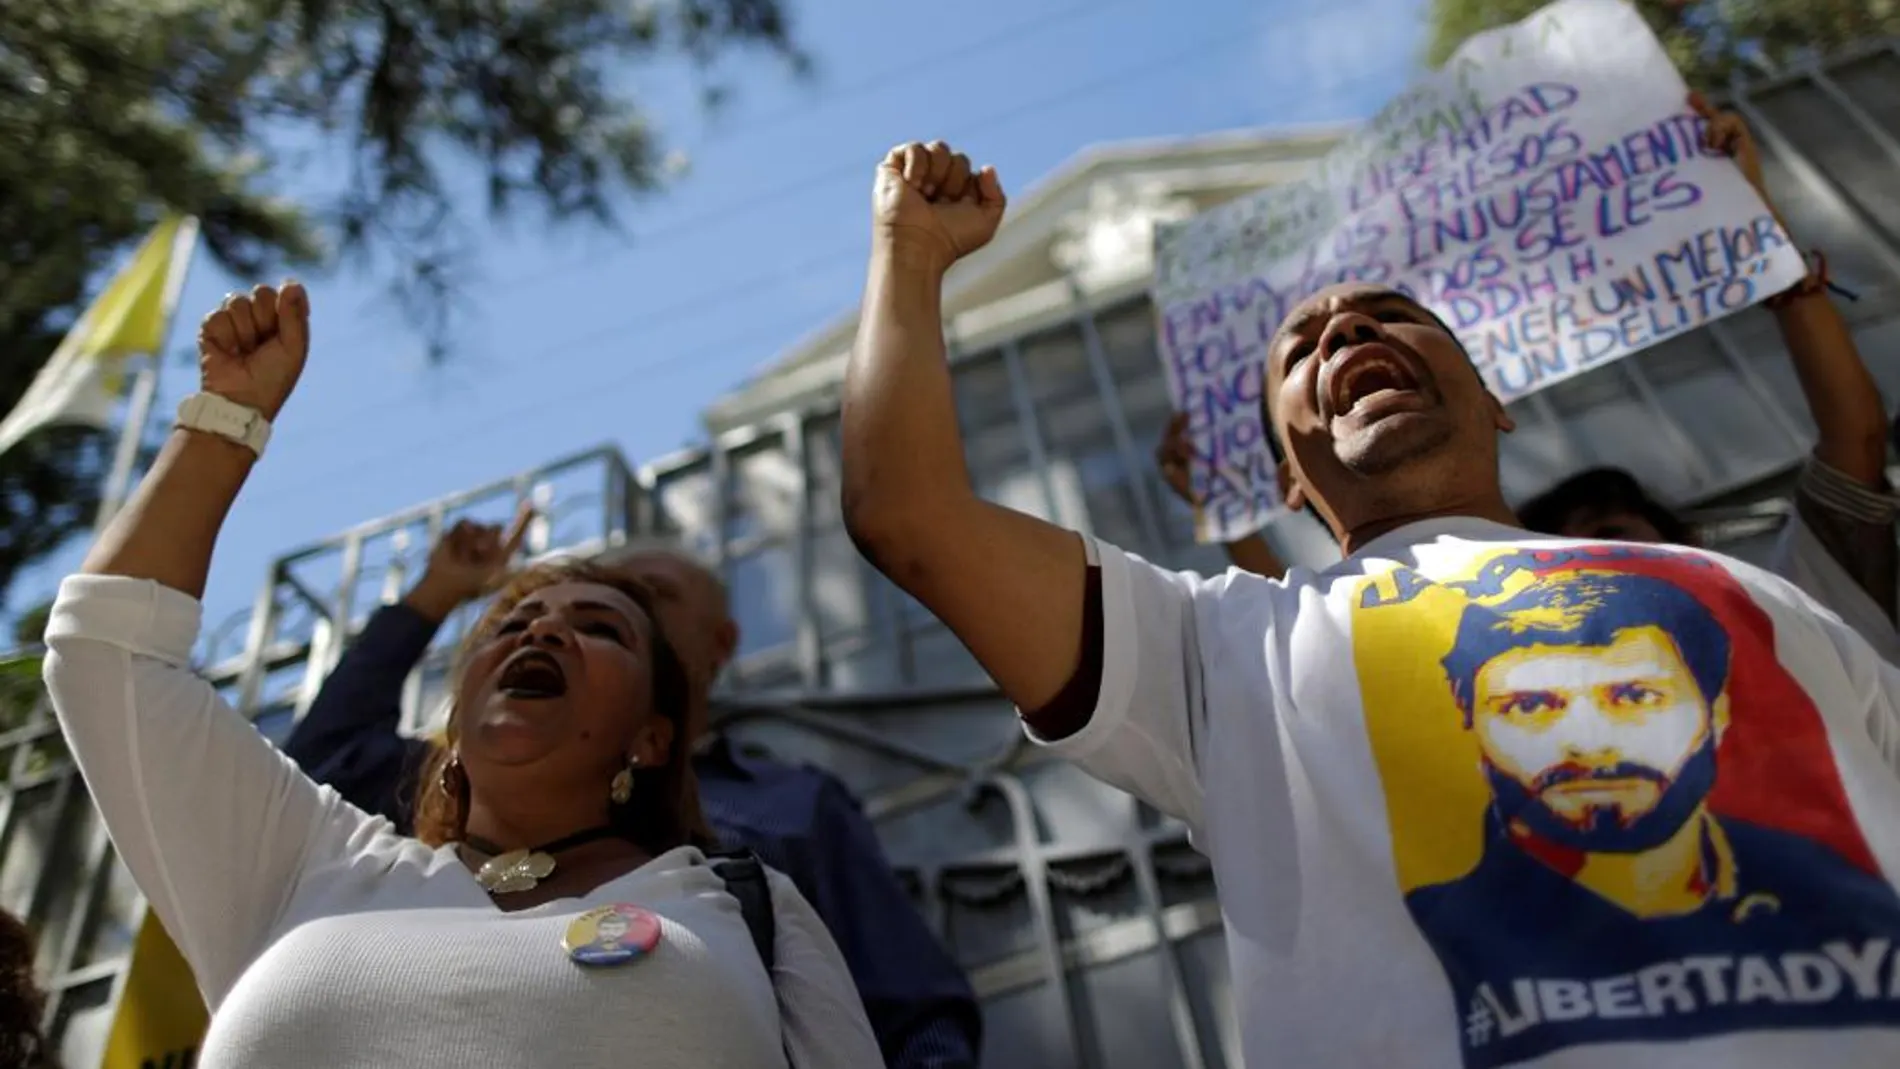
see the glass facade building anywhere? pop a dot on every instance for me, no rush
(1087, 922)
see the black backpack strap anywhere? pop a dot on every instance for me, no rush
(744, 876)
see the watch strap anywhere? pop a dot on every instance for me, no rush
(212, 414)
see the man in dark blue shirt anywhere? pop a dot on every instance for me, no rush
(797, 819)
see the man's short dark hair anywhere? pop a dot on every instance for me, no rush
(1599, 491)
(1585, 610)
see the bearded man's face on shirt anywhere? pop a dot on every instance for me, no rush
(1605, 749)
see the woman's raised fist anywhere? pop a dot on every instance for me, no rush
(251, 350)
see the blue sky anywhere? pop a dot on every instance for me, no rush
(576, 337)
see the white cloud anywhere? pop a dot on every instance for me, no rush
(1320, 61)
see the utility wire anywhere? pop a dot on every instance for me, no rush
(721, 295)
(668, 364)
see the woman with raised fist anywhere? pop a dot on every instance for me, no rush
(564, 913)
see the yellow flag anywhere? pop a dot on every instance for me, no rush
(160, 1020)
(131, 316)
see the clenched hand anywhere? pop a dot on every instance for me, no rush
(252, 349)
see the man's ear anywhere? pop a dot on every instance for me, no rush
(1291, 491)
(1500, 415)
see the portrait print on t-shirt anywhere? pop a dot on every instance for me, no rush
(1614, 813)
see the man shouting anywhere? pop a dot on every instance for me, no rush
(1473, 797)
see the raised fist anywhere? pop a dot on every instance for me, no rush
(1727, 132)
(251, 350)
(927, 195)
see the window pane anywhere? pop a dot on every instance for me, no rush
(992, 437)
(871, 666)
(32, 847)
(1814, 123)
(1813, 216)
(79, 840)
(839, 591)
(1055, 366)
(764, 598)
(821, 459)
(84, 1022)
(1128, 340)
(1093, 486)
(686, 508)
(764, 493)
(1603, 409)
(121, 909)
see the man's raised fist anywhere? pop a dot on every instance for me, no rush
(251, 350)
(928, 196)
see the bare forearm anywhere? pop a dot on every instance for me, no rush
(1009, 585)
(166, 532)
(1841, 393)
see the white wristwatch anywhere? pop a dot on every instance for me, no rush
(225, 418)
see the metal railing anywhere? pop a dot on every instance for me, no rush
(1070, 904)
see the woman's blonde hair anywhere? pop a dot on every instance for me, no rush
(664, 810)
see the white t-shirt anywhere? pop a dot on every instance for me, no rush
(1665, 833)
(322, 939)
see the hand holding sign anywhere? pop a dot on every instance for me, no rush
(1547, 194)
(929, 199)
(1728, 133)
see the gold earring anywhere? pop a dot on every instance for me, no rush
(453, 780)
(621, 789)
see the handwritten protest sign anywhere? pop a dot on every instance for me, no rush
(1546, 193)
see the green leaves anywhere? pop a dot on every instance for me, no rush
(1710, 40)
(20, 693)
(21, 668)
(113, 112)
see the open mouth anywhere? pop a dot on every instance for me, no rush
(532, 674)
(1367, 373)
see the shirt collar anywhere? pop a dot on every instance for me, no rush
(1467, 528)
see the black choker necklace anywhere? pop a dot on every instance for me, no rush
(514, 871)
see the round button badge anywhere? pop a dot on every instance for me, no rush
(612, 935)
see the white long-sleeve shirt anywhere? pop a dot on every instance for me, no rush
(321, 938)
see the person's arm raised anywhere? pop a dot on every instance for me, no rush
(1009, 585)
(1845, 505)
(1841, 393)
(214, 823)
(251, 352)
